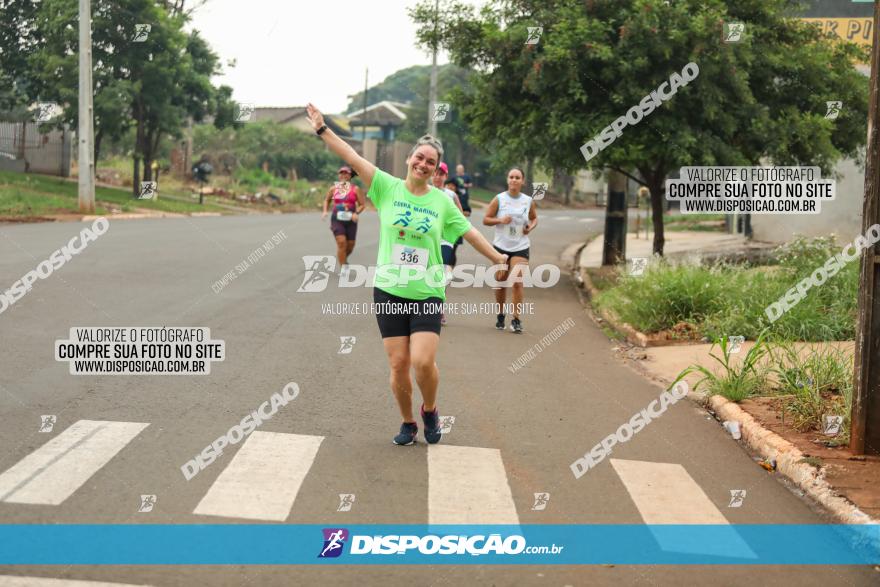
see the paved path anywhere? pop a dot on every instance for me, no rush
(515, 434)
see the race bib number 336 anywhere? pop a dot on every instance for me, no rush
(404, 255)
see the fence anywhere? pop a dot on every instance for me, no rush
(24, 148)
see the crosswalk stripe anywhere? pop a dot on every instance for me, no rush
(664, 493)
(468, 485)
(53, 472)
(263, 479)
(13, 581)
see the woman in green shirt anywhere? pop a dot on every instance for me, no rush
(409, 288)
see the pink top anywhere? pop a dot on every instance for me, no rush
(344, 200)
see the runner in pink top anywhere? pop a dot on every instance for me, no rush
(347, 201)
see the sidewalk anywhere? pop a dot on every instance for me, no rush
(855, 478)
(676, 243)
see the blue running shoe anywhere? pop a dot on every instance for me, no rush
(407, 436)
(432, 425)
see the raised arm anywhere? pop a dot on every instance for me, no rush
(364, 168)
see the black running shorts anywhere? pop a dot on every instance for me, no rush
(401, 317)
(523, 253)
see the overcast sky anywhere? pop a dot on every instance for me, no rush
(291, 52)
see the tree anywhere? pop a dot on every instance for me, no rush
(152, 85)
(758, 99)
(18, 40)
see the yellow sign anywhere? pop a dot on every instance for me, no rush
(857, 30)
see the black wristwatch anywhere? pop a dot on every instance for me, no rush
(322, 129)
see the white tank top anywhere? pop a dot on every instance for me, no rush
(510, 237)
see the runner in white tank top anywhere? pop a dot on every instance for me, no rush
(514, 217)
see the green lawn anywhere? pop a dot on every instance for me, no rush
(482, 194)
(29, 194)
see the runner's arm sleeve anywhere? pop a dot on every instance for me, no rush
(455, 224)
(380, 188)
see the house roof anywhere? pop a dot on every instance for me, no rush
(384, 113)
(285, 114)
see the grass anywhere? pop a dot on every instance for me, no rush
(695, 222)
(811, 384)
(28, 194)
(730, 299)
(481, 194)
(814, 384)
(735, 382)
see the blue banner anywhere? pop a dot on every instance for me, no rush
(288, 544)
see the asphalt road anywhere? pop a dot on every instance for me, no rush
(534, 422)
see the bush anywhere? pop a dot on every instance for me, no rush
(724, 299)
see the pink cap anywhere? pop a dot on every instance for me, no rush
(444, 169)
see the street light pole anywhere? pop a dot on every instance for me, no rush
(86, 129)
(432, 92)
(865, 415)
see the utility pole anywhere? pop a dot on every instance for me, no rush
(614, 245)
(86, 130)
(865, 415)
(432, 92)
(364, 119)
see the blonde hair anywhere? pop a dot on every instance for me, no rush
(431, 141)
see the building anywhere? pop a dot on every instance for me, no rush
(851, 21)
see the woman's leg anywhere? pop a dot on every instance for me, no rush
(341, 249)
(349, 247)
(398, 350)
(517, 266)
(422, 355)
(501, 292)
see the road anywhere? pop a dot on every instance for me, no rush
(514, 434)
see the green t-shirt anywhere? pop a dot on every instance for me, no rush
(410, 230)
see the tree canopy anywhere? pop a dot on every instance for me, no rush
(762, 98)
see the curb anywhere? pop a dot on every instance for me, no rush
(766, 443)
(772, 446)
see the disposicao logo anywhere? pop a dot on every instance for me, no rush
(334, 541)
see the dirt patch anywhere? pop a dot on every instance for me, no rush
(854, 477)
(25, 219)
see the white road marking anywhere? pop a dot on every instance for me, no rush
(562, 217)
(11, 581)
(263, 479)
(468, 485)
(53, 472)
(664, 493)
(587, 220)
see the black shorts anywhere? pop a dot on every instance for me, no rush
(347, 229)
(448, 252)
(523, 253)
(401, 317)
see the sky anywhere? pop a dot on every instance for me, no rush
(290, 52)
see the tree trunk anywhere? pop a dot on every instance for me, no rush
(658, 190)
(529, 179)
(98, 136)
(136, 177)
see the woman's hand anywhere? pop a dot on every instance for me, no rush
(506, 219)
(354, 216)
(501, 260)
(324, 215)
(315, 116)
(527, 229)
